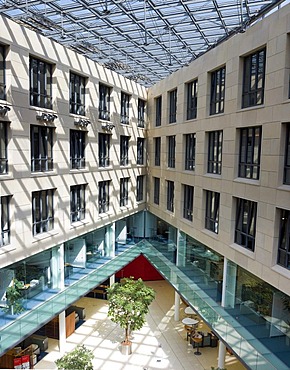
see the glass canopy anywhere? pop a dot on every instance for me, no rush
(143, 40)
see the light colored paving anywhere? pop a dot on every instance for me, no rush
(160, 344)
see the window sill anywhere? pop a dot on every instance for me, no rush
(78, 223)
(7, 248)
(251, 108)
(247, 181)
(105, 168)
(44, 235)
(281, 270)
(210, 233)
(213, 175)
(124, 208)
(76, 170)
(241, 249)
(44, 173)
(6, 176)
(284, 187)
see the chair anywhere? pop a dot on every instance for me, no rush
(188, 329)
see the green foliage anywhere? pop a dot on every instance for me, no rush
(14, 297)
(217, 368)
(79, 359)
(129, 302)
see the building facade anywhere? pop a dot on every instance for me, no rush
(96, 169)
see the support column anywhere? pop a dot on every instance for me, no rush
(221, 355)
(222, 347)
(62, 332)
(112, 279)
(176, 306)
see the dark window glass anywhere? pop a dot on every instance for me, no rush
(254, 79)
(77, 94)
(171, 152)
(141, 113)
(104, 150)
(124, 183)
(156, 190)
(245, 230)
(157, 142)
(172, 106)
(124, 150)
(215, 143)
(190, 152)
(158, 111)
(140, 150)
(2, 73)
(188, 192)
(250, 150)
(287, 157)
(3, 148)
(217, 95)
(212, 211)
(40, 83)
(41, 138)
(191, 110)
(104, 200)
(140, 188)
(77, 149)
(77, 202)
(42, 211)
(104, 102)
(170, 196)
(5, 220)
(125, 100)
(283, 257)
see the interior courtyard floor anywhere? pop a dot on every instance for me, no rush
(160, 344)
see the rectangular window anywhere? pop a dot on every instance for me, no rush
(77, 149)
(254, 79)
(104, 150)
(124, 150)
(158, 111)
(171, 151)
(245, 230)
(191, 90)
(104, 200)
(42, 211)
(172, 106)
(170, 196)
(286, 179)
(250, 150)
(77, 94)
(124, 183)
(140, 188)
(189, 152)
(41, 138)
(40, 83)
(156, 190)
(77, 203)
(188, 192)
(5, 220)
(283, 257)
(215, 143)
(217, 94)
(125, 100)
(104, 102)
(3, 148)
(2, 73)
(157, 150)
(140, 150)
(141, 113)
(212, 211)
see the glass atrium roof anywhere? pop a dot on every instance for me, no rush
(144, 40)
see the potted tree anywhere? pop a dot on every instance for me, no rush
(14, 297)
(78, 359)
(129, 302)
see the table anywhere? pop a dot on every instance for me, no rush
(189, 321)
(189, 311)
(197, 338)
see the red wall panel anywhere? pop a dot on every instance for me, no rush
(140, 268)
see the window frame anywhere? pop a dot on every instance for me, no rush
(212, 210)
(170, 196)
(5, 220)
(104, 149)
(3, 70)
(158, 111)
(157, 150)
(104, 101)
(104, 196)
(247, 164)
(140, 188)
(171, 151)
(172, 106)
(77, 149)
(141, 113)
(191, 99)
(188, 197)
(156, 195)
(251, 76)
(189, 157)
(3, 148)
(215, 149)
(140, 151)
(124, 191)
(42, 211)
(286, 170)
(77, 94)
(283, 254)
(41, 144)
(40, 83)
(245, 207)
(217, 92)
(125, 108)
(77, 202)
(124, 150)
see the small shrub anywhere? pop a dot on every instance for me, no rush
(78, 359)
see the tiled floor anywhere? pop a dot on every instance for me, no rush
(160, 344)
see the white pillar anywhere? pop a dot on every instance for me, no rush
(176, 306)
(221, 355)
(112, 279)
(62, 332)
(222, 347)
